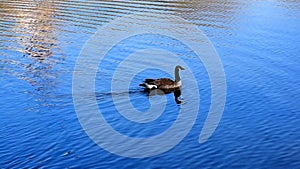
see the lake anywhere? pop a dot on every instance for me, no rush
(70, 74)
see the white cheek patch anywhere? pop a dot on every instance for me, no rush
(179, 83)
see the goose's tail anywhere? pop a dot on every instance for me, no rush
(143, 85)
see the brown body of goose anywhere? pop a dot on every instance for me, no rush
(164, 83)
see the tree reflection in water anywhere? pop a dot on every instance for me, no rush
(37, 51)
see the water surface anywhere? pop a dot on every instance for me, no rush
(258, 44)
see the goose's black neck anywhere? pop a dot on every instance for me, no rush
(177, 77)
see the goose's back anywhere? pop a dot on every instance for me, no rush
(165, 83)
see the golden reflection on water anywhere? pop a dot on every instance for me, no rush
(35, 42)
(37, 27)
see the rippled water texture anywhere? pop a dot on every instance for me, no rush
(257, 42)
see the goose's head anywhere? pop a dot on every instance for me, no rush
(177, 77)
(179, 68)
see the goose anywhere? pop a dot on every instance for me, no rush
(164, 83)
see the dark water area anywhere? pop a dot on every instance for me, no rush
(257, 42)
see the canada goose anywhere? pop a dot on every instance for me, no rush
(164, 83)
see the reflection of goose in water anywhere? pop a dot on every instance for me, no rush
(165, 84)
(176, 92)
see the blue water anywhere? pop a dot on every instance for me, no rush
(258, 45)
